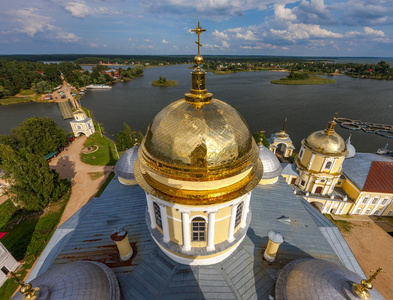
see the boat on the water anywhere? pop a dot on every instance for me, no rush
(98, 86)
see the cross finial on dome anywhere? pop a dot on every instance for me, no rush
(198, 30)
(330, 129)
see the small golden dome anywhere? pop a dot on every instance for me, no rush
(326, 141)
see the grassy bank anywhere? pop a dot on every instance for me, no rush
(27, 235)
(14, 100)
(104, 156)
(163, 84)
(309, 81)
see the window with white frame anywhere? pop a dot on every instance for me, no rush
(358, 211)
(384, 201)
(368, 211)
(301, 154)
(239, 211)
(198, 229)
(376, 213)
(328, 165)
(157, 214)
(375, 200)
(390, 213)
(302, 183)
(365, 199)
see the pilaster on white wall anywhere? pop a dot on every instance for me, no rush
(185, 216)
(246, 209)
(210, 230)
(164, 221)
(232, 220)
(150, 209)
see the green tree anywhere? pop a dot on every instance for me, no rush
(260, 136)
(40, 135)
(33, 184)
(42, 86)
(125, 139)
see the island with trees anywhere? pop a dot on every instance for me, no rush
(301, 78)
(162, 81)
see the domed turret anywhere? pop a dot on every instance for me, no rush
(326, 141)
(198, 160)
(320, 159)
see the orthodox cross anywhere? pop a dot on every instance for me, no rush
(198, 30)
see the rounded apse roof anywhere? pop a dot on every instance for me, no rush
(271, 165)
(124, 167)
(82, 280)
(317, 279)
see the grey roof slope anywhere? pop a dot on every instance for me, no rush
(356, 168)
(124, 167)
(289, 169)
(150, 274)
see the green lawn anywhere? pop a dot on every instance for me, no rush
(103, 187)
(27, 236)
(14, 100)
(312, 80)
(104, 156)
(26, 92)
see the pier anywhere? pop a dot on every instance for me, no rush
(384, 130)
(65, 110)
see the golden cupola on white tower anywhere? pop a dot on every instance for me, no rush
(320, 160)
(198, 164)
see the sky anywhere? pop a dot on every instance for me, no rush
(353, 28)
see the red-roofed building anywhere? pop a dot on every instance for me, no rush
(380, 177)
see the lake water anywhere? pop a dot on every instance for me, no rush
(263, 105)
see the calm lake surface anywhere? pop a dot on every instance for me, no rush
(262, 104)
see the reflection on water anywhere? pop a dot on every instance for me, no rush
(263, 105)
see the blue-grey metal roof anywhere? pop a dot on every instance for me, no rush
(289, 169)
(356, 168)
(150, 274)
(124, 167)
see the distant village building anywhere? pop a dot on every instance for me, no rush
(81, 124)
(7, 263)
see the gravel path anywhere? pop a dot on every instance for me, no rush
(83, 187)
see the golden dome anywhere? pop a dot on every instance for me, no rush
(210, 143)
(326, 141)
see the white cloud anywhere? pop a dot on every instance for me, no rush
(94, 45)
(225, 44)
(164, 41)
(373, 32)
(30, 22)
(248, 36)
(282, 13)
(82, 10)
(220, 35)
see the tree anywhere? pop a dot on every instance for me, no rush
(33, 184)
(125, 138)
(42, 86)
(40, 135)
(260, 136)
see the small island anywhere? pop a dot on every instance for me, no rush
(163, 82)
(302, 79)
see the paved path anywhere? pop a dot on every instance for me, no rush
(83, 187)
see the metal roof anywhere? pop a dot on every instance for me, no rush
(380, 177)
(356, 169)
(271, 165)
(150, 274)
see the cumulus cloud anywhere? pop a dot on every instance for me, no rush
(30, 22)
(248, 36)
(94, 45)
(219, 9)
(81, 10)
(370, 31)
(365, 12)
(282, 13)
(220, 35)
(164, 41)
